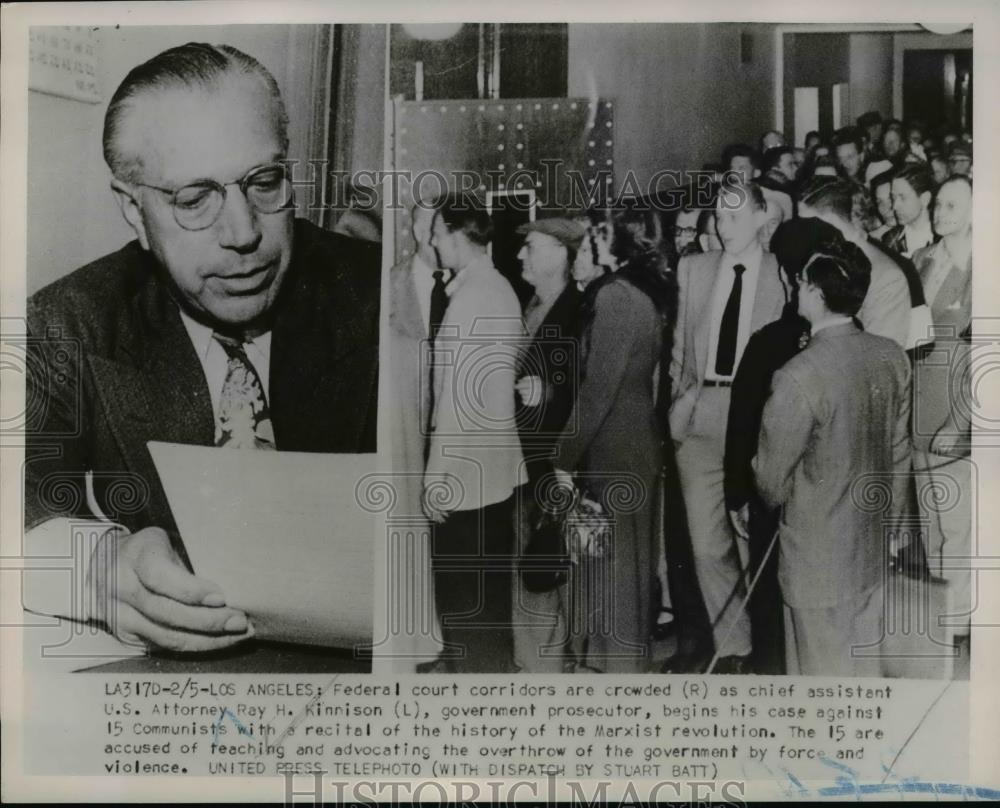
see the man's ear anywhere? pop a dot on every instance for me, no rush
(130, 210)
(925, 198)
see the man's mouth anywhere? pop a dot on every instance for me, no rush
(247, 282)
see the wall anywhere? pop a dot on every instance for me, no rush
(369, 99)
(72, 215)
(680, 90)
(870, 58)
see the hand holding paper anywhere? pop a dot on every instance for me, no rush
(281, 533)
(147, 597)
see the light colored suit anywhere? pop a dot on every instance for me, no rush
(940, 417)
(698, 418)
(412, 634)
(835, 430)
(886, 310)
(474, 466)
(475, 455)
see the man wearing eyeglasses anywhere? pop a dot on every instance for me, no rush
(226, 322)
(834, 430)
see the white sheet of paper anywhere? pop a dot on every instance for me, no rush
(281, 533)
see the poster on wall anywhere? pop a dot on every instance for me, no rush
(64, 61)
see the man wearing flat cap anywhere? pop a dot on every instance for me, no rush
(546, 388)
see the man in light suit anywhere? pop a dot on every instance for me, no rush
(416, 284)
(226, 322)
(474, 462)
(725, 297)
(894, 305)
(837, 421)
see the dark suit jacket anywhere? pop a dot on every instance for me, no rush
(553, 355)
(767, 350)
(112, 367)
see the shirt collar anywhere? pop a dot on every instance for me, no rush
(422, 268)
(921, 230)
(830, 322)
(477, 265)
(749, 258)
(201, 336)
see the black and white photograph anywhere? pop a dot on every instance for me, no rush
(692, 416)
(202, 342)
(462, 402)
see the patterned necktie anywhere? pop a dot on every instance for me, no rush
(729, 328)
(244, 418)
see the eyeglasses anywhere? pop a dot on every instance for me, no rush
(197, 206)
(685, 231)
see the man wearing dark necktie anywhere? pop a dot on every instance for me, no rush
(724, 298)
(439, 300)
(474, 462)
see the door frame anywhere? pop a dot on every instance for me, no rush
(913, 30)
(901, 43)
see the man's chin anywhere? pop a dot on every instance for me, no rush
(237, 311)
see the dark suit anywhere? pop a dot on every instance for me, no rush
(112, 367)
(767, 350)
(552, 355)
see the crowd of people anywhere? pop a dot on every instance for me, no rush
(701, 395)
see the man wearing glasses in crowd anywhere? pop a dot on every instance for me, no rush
(227, 322)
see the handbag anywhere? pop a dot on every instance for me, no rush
(544, 562)
(588, 531)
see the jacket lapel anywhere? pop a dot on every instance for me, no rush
(151, 389)
(154, 387)
(953, 288)
(702, 281)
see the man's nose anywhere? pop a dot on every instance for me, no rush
(239, 228)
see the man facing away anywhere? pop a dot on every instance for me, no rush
(837, 422)
(474, 461)
(226, 323)
(893, 305)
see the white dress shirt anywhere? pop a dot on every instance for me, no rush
(917, 237)
(720, 296)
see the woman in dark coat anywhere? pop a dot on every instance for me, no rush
(612, 444)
